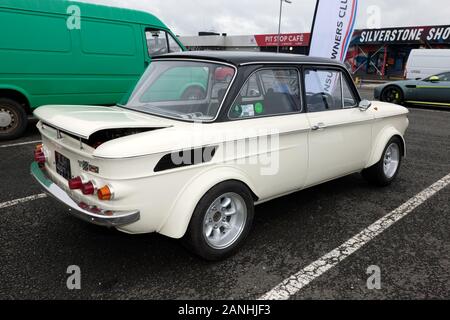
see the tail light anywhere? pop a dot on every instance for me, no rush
(39, 155)
(88, 188)
(75, 183)
(105, 193)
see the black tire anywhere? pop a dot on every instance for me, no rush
(195, 238)
(376, 174)
(392, 94)
(15, 118)
(194, 93)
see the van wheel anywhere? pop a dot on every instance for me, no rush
(386, 170)
(392, 94)
(221, 221)
(194, 93)
(13, 119)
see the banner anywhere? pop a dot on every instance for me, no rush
(332, 29)
(406, 35)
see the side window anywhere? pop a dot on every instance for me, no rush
(160, 42)
(173, 45)
(156, 42)
(349, 98)
(327, 90)
(445, 77)
(268, 92)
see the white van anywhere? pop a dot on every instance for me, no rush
(423, 63)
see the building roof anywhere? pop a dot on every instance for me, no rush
(239, 58)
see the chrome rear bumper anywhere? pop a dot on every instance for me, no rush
(105, 218)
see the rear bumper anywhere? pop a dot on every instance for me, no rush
(105, 218)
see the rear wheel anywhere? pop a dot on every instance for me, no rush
(13, 119)
(386, 170)
(221, 222)
(392, 94)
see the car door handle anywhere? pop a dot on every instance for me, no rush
(319, 126)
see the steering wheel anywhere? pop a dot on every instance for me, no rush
(323, 97)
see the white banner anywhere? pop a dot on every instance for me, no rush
(333, 28)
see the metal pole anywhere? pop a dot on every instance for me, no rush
(279, 26)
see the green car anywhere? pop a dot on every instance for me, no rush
(72, 53)
(431, 91)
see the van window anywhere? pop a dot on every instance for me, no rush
(160, 42)
(173, 45)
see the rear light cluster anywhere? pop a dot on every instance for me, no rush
(95, 210)
(89, 188)
(39, 155)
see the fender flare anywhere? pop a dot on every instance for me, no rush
(19, 90)
(184, 206)
(380, 143)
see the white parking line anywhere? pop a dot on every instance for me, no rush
(19, 144)
(23, 200)
(296, 282)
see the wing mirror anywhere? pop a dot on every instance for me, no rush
(364, 105)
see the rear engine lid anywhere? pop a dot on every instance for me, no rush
(84, 121)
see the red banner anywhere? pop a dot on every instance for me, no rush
(286, 40)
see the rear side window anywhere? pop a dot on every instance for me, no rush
(160, 42)
(268, 92)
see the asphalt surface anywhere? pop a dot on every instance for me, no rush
(39, 240)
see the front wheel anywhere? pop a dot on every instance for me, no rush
(386, 170)
(221, 221)
(392, 94)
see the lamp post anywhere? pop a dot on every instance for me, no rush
(279, 23)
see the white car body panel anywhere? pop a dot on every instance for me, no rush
(352, 140)
(86, 120)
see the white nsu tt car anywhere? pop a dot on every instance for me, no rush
(204, 137)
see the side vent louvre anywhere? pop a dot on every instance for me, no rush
(186, 158)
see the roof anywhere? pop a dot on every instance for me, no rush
(87, 10)
(240, 58)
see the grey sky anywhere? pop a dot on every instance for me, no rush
(241, 17)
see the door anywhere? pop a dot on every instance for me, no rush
(434, 89)
(269, 103)
(341, 135)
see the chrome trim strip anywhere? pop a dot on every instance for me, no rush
(338, 125)
(300, 63)
(115, 219)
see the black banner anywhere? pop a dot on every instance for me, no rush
(407, 35)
